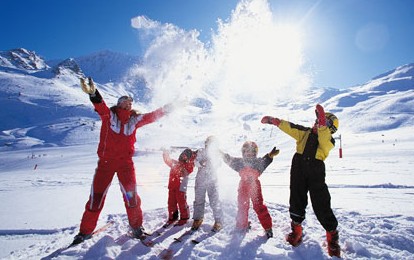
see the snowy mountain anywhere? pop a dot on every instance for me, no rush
(48, 140)
(385, 102)
(22, 59)
(45, 105)
(107, 66)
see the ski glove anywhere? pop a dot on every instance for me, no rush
(169, 108)
(274, 152)
(271, 120)
(320, 115)
(88, 88)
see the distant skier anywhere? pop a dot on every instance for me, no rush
(115, 151)
(177, 186)
(307, 174)
(250, 168)
(208, 160)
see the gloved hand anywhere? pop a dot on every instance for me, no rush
(170, 107)
(221, 153)
(271, 120)
(88, 88)
(320, 115)
(274, 152)
(165, 153)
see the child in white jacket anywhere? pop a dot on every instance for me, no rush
(208, 160)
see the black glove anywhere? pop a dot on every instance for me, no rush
(274, 152)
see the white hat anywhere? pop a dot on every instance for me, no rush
(124, 98)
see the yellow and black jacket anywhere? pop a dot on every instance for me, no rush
(308, 144)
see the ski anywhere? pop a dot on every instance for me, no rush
(199, 239)
(167, 225)
(162, 229)
(147, 242)
(185, 234)
(62, 249)
(166, 254)
(144, 239)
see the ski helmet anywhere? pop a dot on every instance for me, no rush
(332, 122)
(249, 149)
(211, 140)
(185, 155)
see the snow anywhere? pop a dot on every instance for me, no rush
(43, 191)
(49, 134)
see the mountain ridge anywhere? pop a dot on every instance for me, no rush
(32, 88)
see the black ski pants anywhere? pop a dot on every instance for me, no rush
(309, 176)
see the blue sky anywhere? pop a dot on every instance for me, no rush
(345, 42)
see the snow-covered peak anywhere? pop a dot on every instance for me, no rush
(400, 72)
(22, 59)
(399, 79)
(107, 66)
(385, 102)
(68, 66)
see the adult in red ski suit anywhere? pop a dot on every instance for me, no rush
(115, 151)
(177, 185)
(250, 168)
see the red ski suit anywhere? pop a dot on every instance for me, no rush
(115, 151)
(177, 186)
(250, 188)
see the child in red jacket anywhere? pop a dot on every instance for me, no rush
(250, 167)
(177, 186)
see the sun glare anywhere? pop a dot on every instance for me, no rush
(278, 50)
(266, 58)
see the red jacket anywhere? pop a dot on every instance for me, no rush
(117, 138)
(179, 172)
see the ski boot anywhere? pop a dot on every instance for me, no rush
(295, 237)
(181, 222)
(172, 218)
(243, 229)
(79, 238)
(332, 238)
(169, 223)
(196, 224)
(138, 233)
(217, 226)
(269, 233)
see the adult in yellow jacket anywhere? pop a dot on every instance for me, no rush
(307, 174)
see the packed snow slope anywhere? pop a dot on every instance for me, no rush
(49, 135)
(43, 191)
